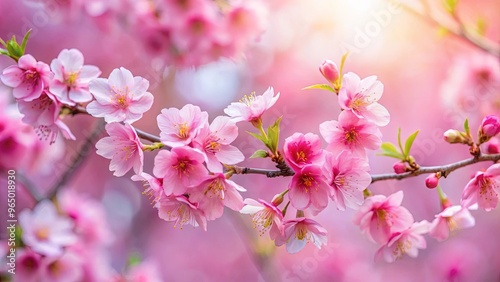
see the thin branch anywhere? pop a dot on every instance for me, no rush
(83, 152)
(469, 36)
(30, 187)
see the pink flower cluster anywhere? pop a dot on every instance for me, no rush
(42, 91)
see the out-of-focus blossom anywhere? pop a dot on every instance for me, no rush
(45, 231)
(64, 268)
(265, 216)
(123, 147)
(181, 168)
(380, 217)
(350, 133)
(483, 189)
(71, 78)
(180, 210)
(348, 176)
(214, 193)
(121, 97)
(301, 150)
(214, 141)
(180, 127)
(361, 96)
(28, 78)
(472, 78)
(89, 218)
(309, 188)
(493, 146)
(252, 107)
(144, 272)
(405, 242)
(299, 231)
(450, 219)
(28, 266)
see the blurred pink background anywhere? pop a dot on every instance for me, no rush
(410, 58)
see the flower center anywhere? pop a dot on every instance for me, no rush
(183, 130)
(307, 181)
(248, 99)
(56, 268)
(31, 76)
(350, 136)
(301, 232)
(42, 234)
(401, 248)
(216, 189)
(182, 167)
(357, 103)
(71, 79)
(301, 156)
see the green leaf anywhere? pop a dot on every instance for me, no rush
(320, 86)
(259, 154)
(409, 143)
(25, 40)
(133, 259)
(273, 134)
(390, 150)
(399, 140)
(259, 137)
(466, 127)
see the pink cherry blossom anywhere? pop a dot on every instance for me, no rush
(28, 78)
(214, 193)
(181, 168)
(153, 187)
(483, 189)
(329, 70)
(301, 150)
(180, 127)
(380, 217)
(65, 268)
(180, 210)
(309, 188)
(450, 219)
(350, 133)
(146, 271)
(251, 107)
(214, 142)
(348, 176)
(405, 242)
(299, 231)
(361, 96)
(265, 216)
(71, 77)
(28, 266)
(45, 231)
(123, 147)
(43, 114)
(122, 97)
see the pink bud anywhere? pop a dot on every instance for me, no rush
(329, 70)
(432, 181)
(399, 167)
(277, 199)
(490, 126)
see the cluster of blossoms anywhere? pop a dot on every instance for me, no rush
(183, 33)
(66, 242)
(42, 92)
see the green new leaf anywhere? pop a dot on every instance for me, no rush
(390, 150)
(273, 134)
(133, 259)
(259, 137)
(409, 143)
(320, 86)
(25, 40)
(259, 154)
(399, 140)
(466, 127)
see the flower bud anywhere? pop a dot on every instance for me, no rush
(277, 199)
(329, 70)
(490, 126)
(399, 167)
(453, 136)
(432, 181)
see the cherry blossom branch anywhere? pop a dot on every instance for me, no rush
(83, 152)
(459, 31)
(30, 187)
(445, 170)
